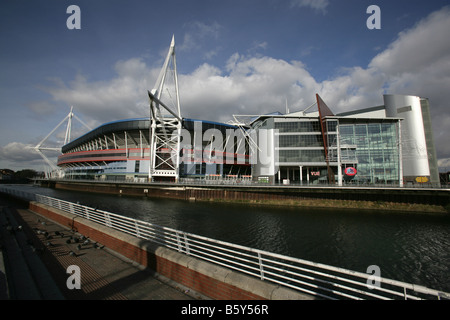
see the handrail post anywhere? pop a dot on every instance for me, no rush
(107, 219)
(182, 237)
(261, 268)
(186, 243)
(180, 247)
(136, 226)
(87, 213)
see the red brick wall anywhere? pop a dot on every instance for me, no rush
(190, 278)
(201, 283)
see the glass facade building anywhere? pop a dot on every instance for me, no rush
(370, 146)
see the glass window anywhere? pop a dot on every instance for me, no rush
(376, 151)
(331, 125)
(386, 127)
(301, 156)
(361, 129)
(305, 141)
(374, 128)
(346, 130)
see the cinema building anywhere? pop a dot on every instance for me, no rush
(391, 144)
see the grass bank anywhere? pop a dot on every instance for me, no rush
(341, 204)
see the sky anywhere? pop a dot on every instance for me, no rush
(233, 57)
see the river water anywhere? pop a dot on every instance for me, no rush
(410, 247)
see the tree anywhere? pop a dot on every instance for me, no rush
(25, 174)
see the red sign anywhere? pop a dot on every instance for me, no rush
(350, 171)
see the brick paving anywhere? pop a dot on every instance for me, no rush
(104, 274)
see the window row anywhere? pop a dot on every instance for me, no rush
(299, 126)
(301, 156)
(315, 140)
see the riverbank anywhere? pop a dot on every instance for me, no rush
(409, 247)
(344, 204)
(395, 199)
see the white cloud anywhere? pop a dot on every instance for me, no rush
(250, 86)
(418, 63)
(19, 152)
(444, 164)
(124, 96)
(198, 33)
(43, 108)
(319, 5)
(417, 49)
(18, 155)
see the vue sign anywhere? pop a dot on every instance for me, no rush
(350, 171)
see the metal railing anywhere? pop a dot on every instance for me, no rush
(244, 181)
(315, 279)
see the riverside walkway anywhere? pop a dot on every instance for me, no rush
(33, 264)
(175, 256)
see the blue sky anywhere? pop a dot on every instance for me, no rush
(233, 57)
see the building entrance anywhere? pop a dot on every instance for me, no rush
(303, 175)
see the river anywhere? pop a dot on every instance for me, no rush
(410, 247)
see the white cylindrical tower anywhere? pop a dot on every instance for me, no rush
(414, 147)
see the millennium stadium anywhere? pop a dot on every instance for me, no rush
(391, 144)
(121, 150)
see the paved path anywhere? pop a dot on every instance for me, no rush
(36, 255)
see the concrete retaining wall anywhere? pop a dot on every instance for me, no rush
(437, 200)
(208, 279)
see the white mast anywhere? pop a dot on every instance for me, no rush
(39, 147)
(165, 124)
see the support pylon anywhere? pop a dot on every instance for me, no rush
(39, 147)
(166, 124)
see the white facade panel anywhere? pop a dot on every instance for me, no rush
(414, 147)
(266, 154)
(378, 114)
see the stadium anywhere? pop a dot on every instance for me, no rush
(120, 150)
